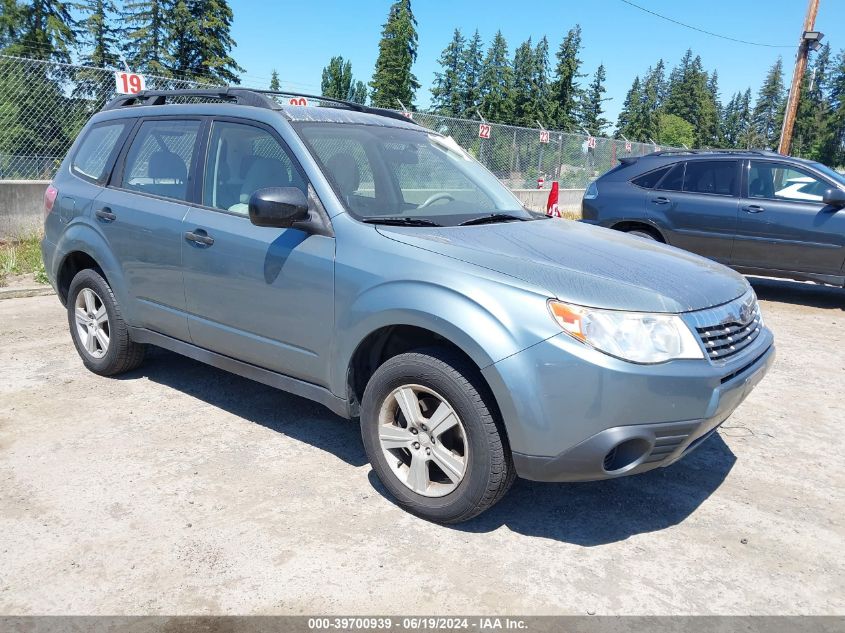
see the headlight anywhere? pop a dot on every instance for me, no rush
(631, 336)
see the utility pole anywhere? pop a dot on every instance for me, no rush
(809, 39)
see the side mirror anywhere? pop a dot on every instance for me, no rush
(279, 207)
(834, 197)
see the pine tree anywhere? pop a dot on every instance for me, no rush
(832, 149)
(565, 93)
(628, 123)
(99, 34)
(48, 31)
(591, 108)
(200, 40)
(496, 82)
(359, 93)
(446, 97)
(654, 93)
(11, 22)
(811, 120)
(768, 110)
(715, 102)
(542, 105)
(393, 81)
(337, 79)
(473, 62)
(746, 129)
(146, 34)
(275, 84)
(689, 98)
(523, 85)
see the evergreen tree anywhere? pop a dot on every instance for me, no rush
(11, 22)
(393, 80)
(746, 129)
(731, 124)
(359, 93)
(628, 124)
(523, 85)
(496, 82)
(473, 62)
(565, 93)
(542, 105)
(768, 110)
(715, 132)
(591, 108)
(832, 149)
(146, 34)
(337, 79)
(47, 31)
(654, 93)
(99, 34)
(811, 120)
(275, 84)
(689, 98)
(199, 42)
(446, 97)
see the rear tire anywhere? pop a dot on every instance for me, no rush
(97, 327)
(447, 476)
(644, 234)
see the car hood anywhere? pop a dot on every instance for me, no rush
(583, 264)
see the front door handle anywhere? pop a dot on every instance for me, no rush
(105, 215)
(660, 200)
(753, 208)
(199, 237)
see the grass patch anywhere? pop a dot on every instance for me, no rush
(20, 257)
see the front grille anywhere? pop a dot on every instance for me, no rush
(728, 329)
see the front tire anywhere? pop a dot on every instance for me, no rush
(648, 235)
(97, 327)
(432, 436)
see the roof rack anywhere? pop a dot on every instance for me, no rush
(241, 96)
(672, 152)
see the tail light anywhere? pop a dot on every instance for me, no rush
(49, 199)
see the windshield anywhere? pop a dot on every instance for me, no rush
(410, 176)
(838, 178)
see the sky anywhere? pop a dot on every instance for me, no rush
(298, 38)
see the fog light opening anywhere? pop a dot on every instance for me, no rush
(626, 454)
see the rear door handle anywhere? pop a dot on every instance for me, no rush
(105, 215)
(199, 237)
(753, 208)
(660, 200)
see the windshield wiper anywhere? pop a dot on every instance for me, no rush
(493, 218)
(399, 221)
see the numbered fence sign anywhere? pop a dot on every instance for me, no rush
(298, 101)
(628, 146)
(591, 142)
(483, 130)
(544, 136)
(129, 83)
(407, 115)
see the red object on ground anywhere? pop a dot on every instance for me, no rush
(551, 205)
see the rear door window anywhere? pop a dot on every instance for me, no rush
(161, 158)
(98, 150)
(711, 176)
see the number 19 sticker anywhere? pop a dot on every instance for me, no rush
(129, 83)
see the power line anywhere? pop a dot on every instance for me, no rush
(695, 28)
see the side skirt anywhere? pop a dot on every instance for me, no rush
(831, 280)
(253, 372)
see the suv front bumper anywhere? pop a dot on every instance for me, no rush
(575, 414)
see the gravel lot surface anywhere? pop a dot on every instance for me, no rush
(181, 489)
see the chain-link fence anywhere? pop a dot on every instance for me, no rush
(43, 105)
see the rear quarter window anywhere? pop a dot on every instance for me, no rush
(97, 150)
(650, 180)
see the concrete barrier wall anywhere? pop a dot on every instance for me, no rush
(22, 204)
(21, 207)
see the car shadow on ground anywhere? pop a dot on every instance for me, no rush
(798, 293)
(586, 514)
(276, 410)
(602, 512)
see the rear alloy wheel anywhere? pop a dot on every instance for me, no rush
(644, 234)
(97, 327)
(433, 437)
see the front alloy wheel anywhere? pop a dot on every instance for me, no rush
(423, 440)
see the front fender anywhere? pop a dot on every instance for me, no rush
(487, 321)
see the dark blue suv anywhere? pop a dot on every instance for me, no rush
(758, 212)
